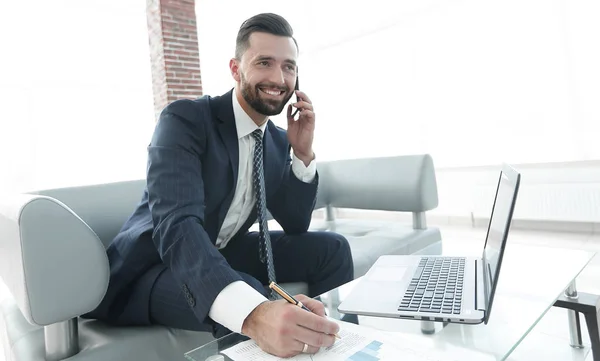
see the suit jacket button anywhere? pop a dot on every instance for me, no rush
(188, 296)
(190, 300)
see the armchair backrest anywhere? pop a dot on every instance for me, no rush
(402, 183)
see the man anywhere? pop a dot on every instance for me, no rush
(185, 258)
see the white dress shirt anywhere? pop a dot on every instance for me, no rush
(227, 308)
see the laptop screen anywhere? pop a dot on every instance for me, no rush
(498, 227)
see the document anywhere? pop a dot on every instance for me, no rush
(357, 343)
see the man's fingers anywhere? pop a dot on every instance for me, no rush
(306, 117)
(309, 350)
(312, 304)
(312, 338)
(300, 94)
(300, 349)
(303, 105)
(318, 323)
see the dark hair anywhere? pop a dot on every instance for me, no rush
(265, 23)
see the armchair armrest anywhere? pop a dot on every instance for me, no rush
(53, 264)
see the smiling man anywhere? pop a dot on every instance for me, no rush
(185, 258)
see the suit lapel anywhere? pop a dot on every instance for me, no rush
(272, 156)
(228, 132)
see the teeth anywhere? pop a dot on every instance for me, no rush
(271, 92)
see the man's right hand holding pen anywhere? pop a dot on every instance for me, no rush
(283, 329)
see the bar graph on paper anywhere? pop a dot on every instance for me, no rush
(371, 352)
(357, 346)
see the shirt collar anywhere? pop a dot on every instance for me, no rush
(243, 123)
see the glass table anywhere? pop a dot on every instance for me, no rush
(531, 280)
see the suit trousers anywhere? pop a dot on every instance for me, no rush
(321, 259)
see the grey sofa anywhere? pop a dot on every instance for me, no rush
(53, 263)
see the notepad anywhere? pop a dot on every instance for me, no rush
(357, 343)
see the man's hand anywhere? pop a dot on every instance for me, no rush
(301, 132)
(282, 329)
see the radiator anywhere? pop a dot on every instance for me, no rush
(546, 202)
(546, 194)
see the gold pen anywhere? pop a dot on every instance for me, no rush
(283, 293)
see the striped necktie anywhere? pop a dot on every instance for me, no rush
(265, 250)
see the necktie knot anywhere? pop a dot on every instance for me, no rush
(258, 135)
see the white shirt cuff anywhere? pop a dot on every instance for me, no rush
(302, 172)
(234, 303)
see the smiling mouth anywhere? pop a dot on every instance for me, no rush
(272, 92)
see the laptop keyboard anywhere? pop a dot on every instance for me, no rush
(436, 286)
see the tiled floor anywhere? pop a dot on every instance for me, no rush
(549, 340)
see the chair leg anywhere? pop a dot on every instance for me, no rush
(61, 340)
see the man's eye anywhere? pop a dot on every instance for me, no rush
(264, 63)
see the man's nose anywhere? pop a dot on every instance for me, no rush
(277, 77)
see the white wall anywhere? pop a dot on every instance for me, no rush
(75, 92)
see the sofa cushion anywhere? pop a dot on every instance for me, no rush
(370, 239)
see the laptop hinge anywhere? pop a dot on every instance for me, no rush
(480, 303)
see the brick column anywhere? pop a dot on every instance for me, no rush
(173, 51)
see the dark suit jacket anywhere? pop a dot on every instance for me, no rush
(191, 177)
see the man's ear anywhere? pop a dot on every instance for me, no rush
(234, 66)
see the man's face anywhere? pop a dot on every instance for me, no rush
(267, 72)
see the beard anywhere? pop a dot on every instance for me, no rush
(253, 97)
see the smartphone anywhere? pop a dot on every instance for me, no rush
(297, 98)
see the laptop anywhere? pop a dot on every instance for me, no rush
(440, 288)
